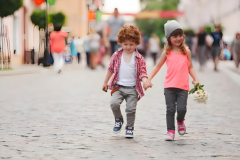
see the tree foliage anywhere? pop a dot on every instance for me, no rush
(57, 18)
(8, 7)
(38, 18)
(149, 26)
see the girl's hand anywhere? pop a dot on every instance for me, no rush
(105, 87)
(195, 83)
(147, 84)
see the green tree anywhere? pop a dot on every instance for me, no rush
(149, 26)
(8, 7)
(57, 18)
(38, 18)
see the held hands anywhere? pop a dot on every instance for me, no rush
(147, 84)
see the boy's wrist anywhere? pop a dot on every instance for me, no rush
(144, 79)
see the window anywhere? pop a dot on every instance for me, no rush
(16, 32)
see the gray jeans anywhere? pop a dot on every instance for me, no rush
(215, 51)
(175, 99)
(202, 54)
(131, 97)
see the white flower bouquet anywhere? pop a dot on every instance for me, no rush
(199, 95)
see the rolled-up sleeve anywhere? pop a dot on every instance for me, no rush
(111, 65)
(143, 70)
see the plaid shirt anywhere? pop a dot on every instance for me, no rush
(140, 70)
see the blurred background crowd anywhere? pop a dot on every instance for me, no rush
(211, 29)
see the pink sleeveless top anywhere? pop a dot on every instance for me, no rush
(177, 71)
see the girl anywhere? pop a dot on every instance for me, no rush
(176, 86)
(127, 69)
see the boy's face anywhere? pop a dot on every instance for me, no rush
(129, 46)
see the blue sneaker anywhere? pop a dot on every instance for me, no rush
(118, 125)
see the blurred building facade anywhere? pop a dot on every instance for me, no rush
(76, 15)
(205, 12)
(14, 33)
(24, 36)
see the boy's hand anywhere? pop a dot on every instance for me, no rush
(105, 87)
(147, 84)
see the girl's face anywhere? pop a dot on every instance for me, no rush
(176, 40)
(129, 46)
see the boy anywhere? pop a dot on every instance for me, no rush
(127, 69)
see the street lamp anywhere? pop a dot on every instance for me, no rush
(47, 50)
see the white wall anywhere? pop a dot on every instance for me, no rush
(32, 32)
(15, 35)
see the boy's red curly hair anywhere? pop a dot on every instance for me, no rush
(129, 32)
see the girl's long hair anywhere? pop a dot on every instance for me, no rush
(168, 45)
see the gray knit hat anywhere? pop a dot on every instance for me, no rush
(171, 26)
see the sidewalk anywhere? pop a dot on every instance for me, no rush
(229, 68)
(68, 117)
(34, 69)
(23, 69)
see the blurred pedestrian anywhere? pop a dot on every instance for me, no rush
(216, 50)
(115, 23)
(102, 52)
(87, 50)
(73, 49)
(189, 39)
(154, 47)
(179, 66)
(201, 47)
(142, 47)
(94, 44)
(236, 50)
(127, 69)
(70, 40)
(79, 45)
(57, 39)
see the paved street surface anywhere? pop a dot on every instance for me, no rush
(46, 116)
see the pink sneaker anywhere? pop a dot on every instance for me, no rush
(170, 135)
(181, 127)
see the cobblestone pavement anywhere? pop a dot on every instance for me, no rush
(46, 116)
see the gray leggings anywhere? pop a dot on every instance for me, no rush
(175, 99)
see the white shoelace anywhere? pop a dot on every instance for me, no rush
(180, 126)
(129, 131)
(117, 124)
(171, 134)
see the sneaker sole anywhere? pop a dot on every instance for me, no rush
(117, 132)
(181, 132)
(169, 139)
(129, 136)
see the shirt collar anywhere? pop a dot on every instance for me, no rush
(120, 50)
